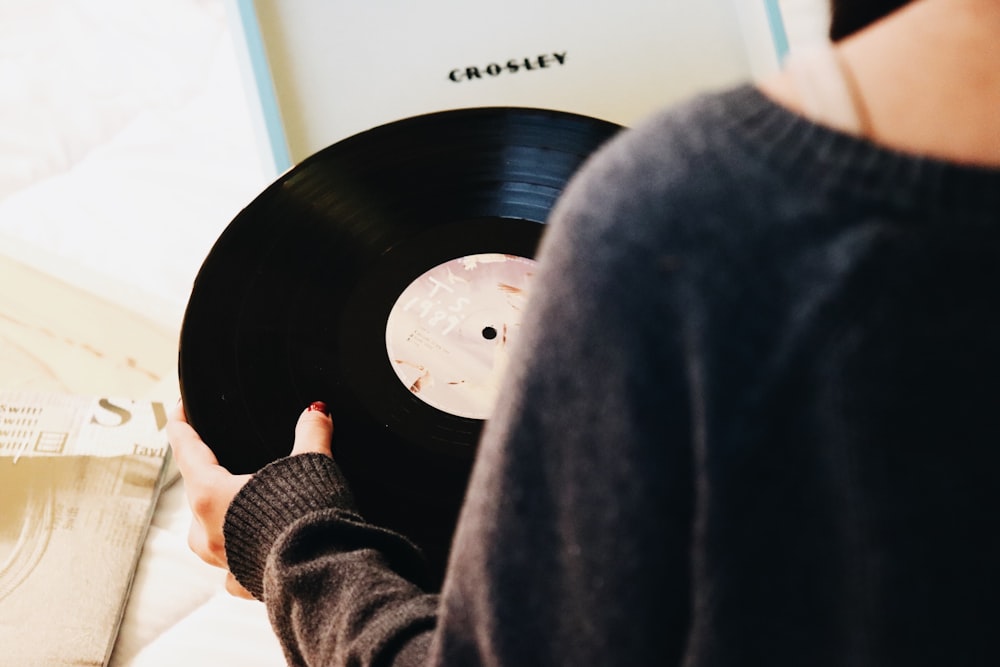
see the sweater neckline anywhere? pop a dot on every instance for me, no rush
(847, 165)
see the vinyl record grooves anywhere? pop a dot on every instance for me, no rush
(292, 303)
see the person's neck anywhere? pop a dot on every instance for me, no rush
(929, 77)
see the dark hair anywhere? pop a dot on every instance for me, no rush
(849, 16)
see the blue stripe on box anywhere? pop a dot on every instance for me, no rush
(778, 33)
(270, 111)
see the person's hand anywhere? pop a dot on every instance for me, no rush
(211, 488)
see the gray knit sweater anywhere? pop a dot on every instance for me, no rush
(752, 420)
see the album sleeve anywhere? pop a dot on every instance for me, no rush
(338, 590)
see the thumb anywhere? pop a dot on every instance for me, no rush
(313, 430)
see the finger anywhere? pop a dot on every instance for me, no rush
(178, 412)
(313, 430)
(236, 589)
(190, 452)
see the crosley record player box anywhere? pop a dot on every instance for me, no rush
(323, 70)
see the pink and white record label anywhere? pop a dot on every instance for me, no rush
(450, 332)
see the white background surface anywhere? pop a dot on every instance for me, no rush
(125, 143)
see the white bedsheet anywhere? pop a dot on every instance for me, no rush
(125, 149)
(125, 140)
(179, 613)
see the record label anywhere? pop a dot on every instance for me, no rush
(449, 334)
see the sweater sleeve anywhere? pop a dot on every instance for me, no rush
(338, 590)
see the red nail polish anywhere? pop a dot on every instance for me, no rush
(319, 406)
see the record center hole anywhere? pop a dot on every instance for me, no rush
(489, 333)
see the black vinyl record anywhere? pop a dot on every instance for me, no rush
(293, 302)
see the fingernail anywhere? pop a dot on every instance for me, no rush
(318, 406)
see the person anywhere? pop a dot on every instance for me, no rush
(751, 419)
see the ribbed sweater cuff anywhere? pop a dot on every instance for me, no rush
(274, 498)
